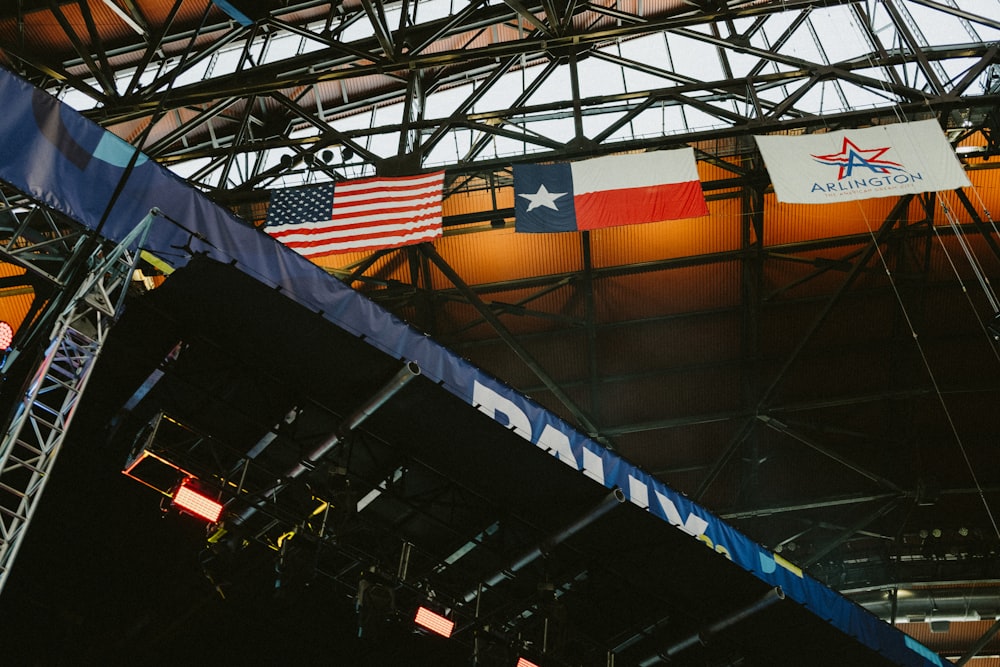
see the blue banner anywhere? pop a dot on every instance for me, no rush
(63, 160)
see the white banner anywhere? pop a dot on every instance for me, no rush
(883, 161)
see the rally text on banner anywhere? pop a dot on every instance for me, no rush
(883, 161)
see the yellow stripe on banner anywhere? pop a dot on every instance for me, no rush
(794, 569)
(157, 262)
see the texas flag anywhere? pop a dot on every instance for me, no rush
(607, 192)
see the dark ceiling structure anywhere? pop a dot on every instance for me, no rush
(822, 378)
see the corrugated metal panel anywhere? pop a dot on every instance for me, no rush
(477, 198)
(634, 244)
(110, 27)
(986, 187)
(688, 392)
(500, 255)
(654, 346)
(167, 123)
(355, 88)
(680, 290)
(959, 635)
(533, 311)
(593, 20)
(188, 12)
(785, 280)
(794, 223)
(708, 171)
(14, 301)
(471, 39)
(559, 354)
(38, 28)
(948, 258)
(393, 266)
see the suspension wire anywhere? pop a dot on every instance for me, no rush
(960, 235)
(900, 117)
(970, 255)
(933, 378)
(961, 282)
(986, 212)
(909, 323)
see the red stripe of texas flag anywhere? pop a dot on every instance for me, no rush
(610, 208)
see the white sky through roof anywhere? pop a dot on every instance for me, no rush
(687, 58)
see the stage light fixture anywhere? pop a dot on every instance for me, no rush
(524, 662)
(6, 335)
(194, 502)
(436, 623)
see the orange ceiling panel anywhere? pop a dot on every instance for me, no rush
(795, 223)
(500, 255)
(634, 244)
(14, 301)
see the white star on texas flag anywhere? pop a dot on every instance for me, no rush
(543, 198)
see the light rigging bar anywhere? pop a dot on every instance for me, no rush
(409, 371)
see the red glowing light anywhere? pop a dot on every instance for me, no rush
(434, 622)
(6, 335)
(190, 500)
(524, 662)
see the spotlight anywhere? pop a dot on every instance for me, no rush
(436, 623)
(194, 502)
(524, 662)
(347, 153)
(6, 335)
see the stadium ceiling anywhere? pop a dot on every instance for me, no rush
(829, 388)
(289, 91)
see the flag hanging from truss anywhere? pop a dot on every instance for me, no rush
(882, 161)
(357, 216)
(607, 192)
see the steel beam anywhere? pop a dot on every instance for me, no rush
(33, 439)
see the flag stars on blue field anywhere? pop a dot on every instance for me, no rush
(543, 198)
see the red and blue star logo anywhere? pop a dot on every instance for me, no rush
(851, 157)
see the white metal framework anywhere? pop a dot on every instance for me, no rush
(33, 440)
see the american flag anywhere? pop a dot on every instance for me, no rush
(357, 216)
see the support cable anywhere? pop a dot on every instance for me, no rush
(933, 378)
(983, 280)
